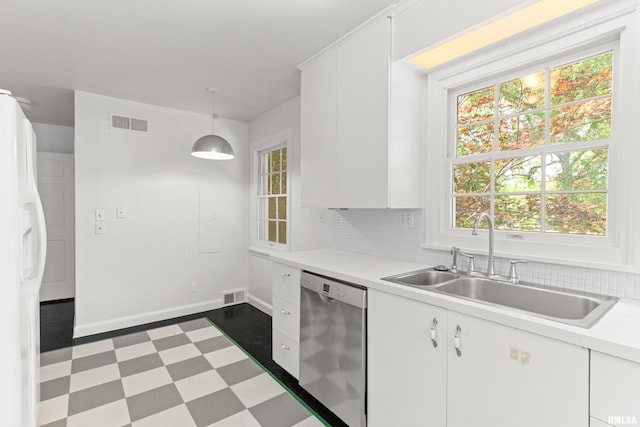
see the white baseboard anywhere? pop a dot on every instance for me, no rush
(141, 319)
(260, 304)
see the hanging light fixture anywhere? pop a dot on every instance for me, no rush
(212, 146)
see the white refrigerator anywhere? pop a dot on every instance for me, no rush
(23, 244)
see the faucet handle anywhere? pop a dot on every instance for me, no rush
(454, 263)
(472, 266)
(513, 274)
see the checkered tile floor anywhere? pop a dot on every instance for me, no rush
(188, 374)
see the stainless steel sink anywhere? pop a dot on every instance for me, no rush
(562, 305)
(421, 278)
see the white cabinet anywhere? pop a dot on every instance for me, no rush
(360, 125)
(406, 379)
(285, 282)
(615, 390)
(501, 376)
(506, 377)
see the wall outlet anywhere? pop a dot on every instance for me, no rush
(406, 219)
(121, 212)
(100, 228)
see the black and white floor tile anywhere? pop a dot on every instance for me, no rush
(186, 374)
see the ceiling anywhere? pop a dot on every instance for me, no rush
(167, 53)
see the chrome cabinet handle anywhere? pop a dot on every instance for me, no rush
(285, 347)
(434, 333)
(456, 340)
(283, 274)
(285, 312)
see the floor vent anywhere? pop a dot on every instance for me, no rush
(129, 123)
(234, 297)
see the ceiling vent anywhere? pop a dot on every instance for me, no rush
(128, 123)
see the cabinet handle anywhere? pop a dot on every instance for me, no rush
(283, 274)
(456, 340)
(285, 312)
(434, 333)
(285, 347)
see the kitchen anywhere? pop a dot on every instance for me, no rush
(178, 233)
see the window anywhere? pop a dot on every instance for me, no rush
(272, 201)
(533, 150)
(540, 131)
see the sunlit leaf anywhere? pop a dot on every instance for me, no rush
(582, 79)
(476, 106)
(523, 94)
(518, 174)
(472, 177)
(584, 213)
(587, 121)
(467, 208)
(577, 170)
(523, 131)
(475, 139)
(517, 213)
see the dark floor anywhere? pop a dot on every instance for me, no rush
(248, 326)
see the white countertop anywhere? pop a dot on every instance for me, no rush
(617, 333)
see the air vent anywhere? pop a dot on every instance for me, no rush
(234, 297)
(128, 123)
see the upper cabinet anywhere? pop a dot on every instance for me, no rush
(361, 124)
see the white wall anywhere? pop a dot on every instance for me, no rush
(306, 230)
(54, 138)
(144, 266)
(426, 22)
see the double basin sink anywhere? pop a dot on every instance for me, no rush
(567, 306)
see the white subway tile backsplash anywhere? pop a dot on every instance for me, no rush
(379, 232)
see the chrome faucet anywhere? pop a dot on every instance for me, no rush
(491, 271)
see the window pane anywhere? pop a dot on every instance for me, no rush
(523, 94)
(476, 106)
(283, 183)
(282, 232)
(583, 79)
(577, 170)
(517, 213)
(275, 161)
(467, 208)
(518, 174)
(475, 139)
(587, 121)
(284, 158)
(472, 177)
(282, 208)
(577, 213)
(519, 132)
(272, 208)
(275, 183)
(273, 231)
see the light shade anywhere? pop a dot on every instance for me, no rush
(212, 147)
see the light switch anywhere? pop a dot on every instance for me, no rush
(100, 228)
(99, 215)
(121, 212)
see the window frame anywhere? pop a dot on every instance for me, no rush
(569, 37)
(271, 142)
(612, 217)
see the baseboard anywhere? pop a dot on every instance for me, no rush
(141, 319)
(259, 304)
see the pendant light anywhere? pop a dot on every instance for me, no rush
(212, 147)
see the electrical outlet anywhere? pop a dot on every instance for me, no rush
(121, 212)
(406, 219)
(100, 228)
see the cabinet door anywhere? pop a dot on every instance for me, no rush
(406, 373)
(615, 397)
(506, 377)
(318, 131)
(363, 61)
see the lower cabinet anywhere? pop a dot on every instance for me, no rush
(406, 370)
(502, 377)
(285, 282)
(478, 373)
(615, 391)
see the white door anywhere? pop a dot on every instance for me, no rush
(56, 187)
(504, 377)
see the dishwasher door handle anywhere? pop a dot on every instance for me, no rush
(326, 299)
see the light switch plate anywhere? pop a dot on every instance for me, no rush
(100, 227)
(99, 215)
(121, 212)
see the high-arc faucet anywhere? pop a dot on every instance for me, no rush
(491, 271)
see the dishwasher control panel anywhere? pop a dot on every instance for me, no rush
(331, 288)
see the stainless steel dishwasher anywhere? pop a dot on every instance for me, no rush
(333, 343)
